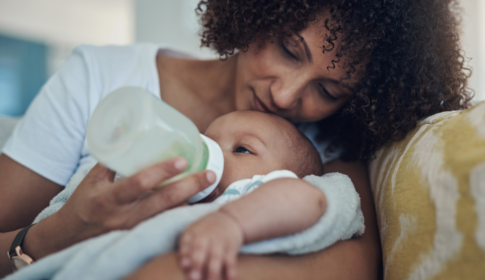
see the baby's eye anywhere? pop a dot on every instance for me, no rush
(242, 150)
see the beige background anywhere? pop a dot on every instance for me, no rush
(63, 24)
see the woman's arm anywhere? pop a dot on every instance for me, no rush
(98, 204)
(357, 258)
(23, 194)
(50, 141)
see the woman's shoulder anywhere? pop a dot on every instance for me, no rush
(107, 68)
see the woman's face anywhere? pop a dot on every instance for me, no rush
(290, 77)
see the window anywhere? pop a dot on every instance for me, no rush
(22, 74)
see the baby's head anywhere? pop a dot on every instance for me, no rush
(256, 143)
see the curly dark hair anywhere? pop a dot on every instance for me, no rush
(410, 51)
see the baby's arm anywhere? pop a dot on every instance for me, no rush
(277, 208)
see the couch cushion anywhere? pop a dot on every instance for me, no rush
(429, 192)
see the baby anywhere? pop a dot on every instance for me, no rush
(253, 143)
(264, 157)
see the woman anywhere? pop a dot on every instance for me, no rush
(363, 71)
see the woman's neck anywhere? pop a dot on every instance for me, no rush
(210, 80)
(201, 89)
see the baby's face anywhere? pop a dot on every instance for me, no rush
(253, 143)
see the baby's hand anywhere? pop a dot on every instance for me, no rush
(209, 247)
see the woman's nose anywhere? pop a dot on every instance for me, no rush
(286, 94)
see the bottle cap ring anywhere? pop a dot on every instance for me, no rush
(214, 163)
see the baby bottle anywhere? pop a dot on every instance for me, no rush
(131, 129)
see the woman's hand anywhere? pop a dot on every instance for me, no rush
(99, 205)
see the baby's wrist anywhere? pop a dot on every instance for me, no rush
(226, 213)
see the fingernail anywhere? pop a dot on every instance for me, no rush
(180, 164)
(211, 177)
(195, 275)
(185, 262)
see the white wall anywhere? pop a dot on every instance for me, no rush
(63, 24)
(172, 22)
(473, 41)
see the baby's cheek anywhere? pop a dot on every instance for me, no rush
(236, 169)
(228, 176)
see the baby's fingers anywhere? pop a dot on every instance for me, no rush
(185, 245)
(230, 267)
(214, 269)
(198, 259)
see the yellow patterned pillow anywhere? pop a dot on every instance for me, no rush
(429, 192)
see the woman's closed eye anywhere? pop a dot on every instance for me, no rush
(287, 51)
(326, 93)
(242, 150)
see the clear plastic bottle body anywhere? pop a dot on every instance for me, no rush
(131, 129)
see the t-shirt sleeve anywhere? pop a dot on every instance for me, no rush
(50, 137)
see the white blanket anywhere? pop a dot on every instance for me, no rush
(118, 253)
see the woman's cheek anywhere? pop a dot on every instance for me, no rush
(261, 61)
(316, 109)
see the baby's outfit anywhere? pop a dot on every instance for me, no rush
(245, 186)
(116, 254)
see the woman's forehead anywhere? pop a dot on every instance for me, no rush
(312, 40)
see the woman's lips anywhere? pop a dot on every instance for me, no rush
(259, 105)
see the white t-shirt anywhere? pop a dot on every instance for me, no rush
(50, 139)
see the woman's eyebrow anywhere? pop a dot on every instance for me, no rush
(305, 46)
(307, 50)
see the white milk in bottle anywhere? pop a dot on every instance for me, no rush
(131, 129)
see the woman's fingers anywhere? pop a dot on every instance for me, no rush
(175, 193)
(129, 189)
(100, 205)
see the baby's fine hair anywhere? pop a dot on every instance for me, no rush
(306, 160)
